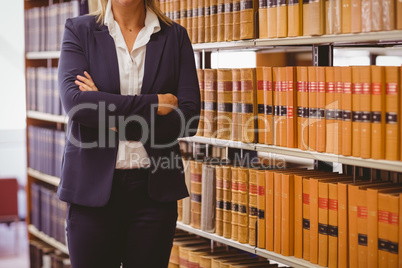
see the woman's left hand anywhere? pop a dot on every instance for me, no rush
(86, 83)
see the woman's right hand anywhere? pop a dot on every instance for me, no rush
(166, 103)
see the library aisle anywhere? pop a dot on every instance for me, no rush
(10, 254)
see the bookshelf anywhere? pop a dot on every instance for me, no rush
(42, 55)
(45, 238)
(43, 177)
(47, 117)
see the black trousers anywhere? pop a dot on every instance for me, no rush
(132, 228)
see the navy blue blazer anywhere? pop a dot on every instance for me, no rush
(91, 147)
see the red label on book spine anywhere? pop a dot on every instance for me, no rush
(290, 85)
(261, 190)
(267, 85)
(219, 183)
(195, 177)
(235, 186)
(290, 112)
(253, 189)
(333, 204)
(376, 87)
(330, 87)
(302, 86)
(366, 88)
(362, 212)
(323, 203)
(357, 88)
(260, 85)
(242, 187)
(313, 87)
(391, 88)
(226, 184)
(321, 87)
(338, 87)
(346, 87)
(306, 199)
(393, 218)
(383, 216)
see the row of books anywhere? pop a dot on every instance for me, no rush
(350, 111)
(44, 26)
(227, 20)
(319, 216)
(46, 148)
(42, 255)
(42, 90)
(191, 251)
(48, 212)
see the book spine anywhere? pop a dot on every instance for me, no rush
(346, 16)
(176, 11)
(252, 207)
(236, 20)
(352, 225)
(248, 104)
(313, 221)
(237, 112)
(242, 197)
(356, 16)
(366, 16)
(400, 232)
(332, 225)
(330, 109)
(323, 207)
(272, 10)
(388, 16)
(189, 19)
(365, 106)
(208, 206)
(225, 97)
(302, 107)
(347, 111)
(298, 216)
(306, 219)
(221, 21)
(207, 21)
(261, 124)
(196, 191)
(356, 110)
(362, 228)
(282, 108)
(263, 18)
(339, 112)
(313, 108)
(210, 87)
(261, 208)
(214, 20)
(392, 127)
(377, 112)
(295, 18)
(268, 105)
(383, 219)
(343, 255)
(183, 12)
(277, 212)
(393, 230)
(291, 107)
(228, 18)
(201, 21)
(219, 201)
(282, 18)
(187, 200)
(372, 227)
(269, 209)
(195, 28)
(376, 15)
(235, 204)
(287, 213)
(248, 8)
(201, 81)
(321, 123)
(227, 201)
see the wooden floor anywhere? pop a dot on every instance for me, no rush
(14, 253)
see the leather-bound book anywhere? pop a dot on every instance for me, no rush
(235, 203)
(282, 18)
(227, 200)
(219, 200)
(221, 21)
(356, 14)
(190, 19)
(347, 111)
(330, 109)
(260, 175)
(366, 16)
(194, 33)
(302, 107)
(207, 21)
(225, 98)
(200, 74)
(295, 18)
(242, 197)
(392, 124)
(377, 112)
(268, 105)
(183, 13)
(333, 225)
(176, 11)
(263, 19)
(214, 20)
(339, 112)
(376, 15)
(208, 202)
(236, 20)
(210, 76)
(347, 16)
(313, 108)
(280, 101)
(321, 124)
(201, 21)
(365, 107)
(248, 104)
(252, 206)
(236, 107)
(399, 15)
(187, 201)
(228, 18)
(261, 123)
(356, 110)
(248, 8)
(388, 15)
(196, 192)
(291, 103)
(272, 9)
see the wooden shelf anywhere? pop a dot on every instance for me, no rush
(47, 239)
(47, 117)
(42, 55)
(43, 177)
(395, 166)
(291, 261)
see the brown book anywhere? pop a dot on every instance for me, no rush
(346, 16)
(277, 212)
(291, 107)
(313, 108)
(272, 11)
(263, 19)
(377, 112)
(333, 15)
(200, 74)
(333, 225)
(356, 14)
(260, 174)
(280, 101)
(356, 110)
(180, 210)
(227, 201)
(343, 255)
(383, 219)
(393, 229)
(207, 20)
(400, 232)
(236, 20)
(219, 200)
(313, 17)
(214, 20)
(287, 213)
(242, 198)
(248, 104)
(235, 203)
(208, 203)
(362, 228)
(392, 127)
(195, 28)
(247, 22)
(187, 200)
(261, 123)
(196, 190)
(339, 112)
(330, 109)
(210, 76)
(252, 207)
(221, 21)
(268, 105)
(376, 15)
(399, 15)
(269, 210)
(176, 11)
(228, 20)
(306, 219)
(400, 120)
(365, 107)
(323, 225)
(190, 19)
(201, 21)
(225, 98)
(295, 18)
(347, 111)
(183, 13)
(302, 107)
(388, 15)
(366, 16)
(282, 18)
(236, 114)
(321, 123)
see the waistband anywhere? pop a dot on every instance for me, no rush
(134, 174)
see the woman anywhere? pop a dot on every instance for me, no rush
(128, 82)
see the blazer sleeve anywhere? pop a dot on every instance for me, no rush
(83, 106)
(183, 121)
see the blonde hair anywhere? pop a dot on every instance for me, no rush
(151, 4)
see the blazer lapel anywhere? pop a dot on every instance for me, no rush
(108, 50)
(153, 55)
